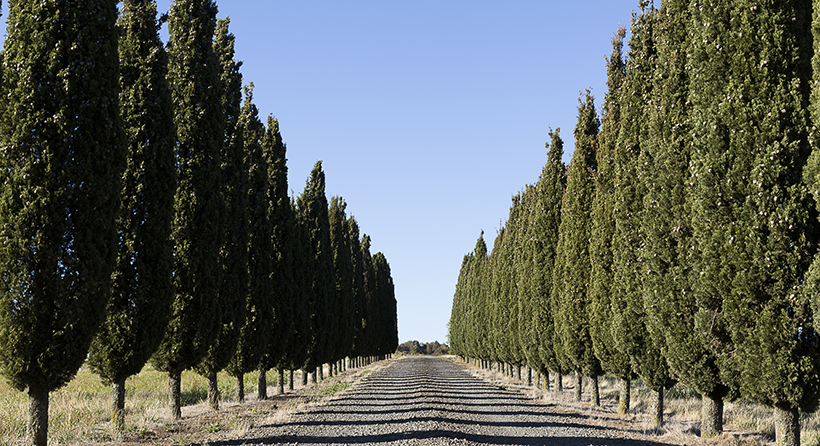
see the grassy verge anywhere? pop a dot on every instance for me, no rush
(80, 411)
(745, 423)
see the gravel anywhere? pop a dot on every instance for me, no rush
(425, 400)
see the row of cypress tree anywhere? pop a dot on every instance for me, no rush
(145, 213)
(680, 243)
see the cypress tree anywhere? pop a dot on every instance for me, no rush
(282, 252)
(504, 293)
(358, 294)
(313, 214)
(386, 302)
(575, 231)
(344, 268)
(669, 305)
(603, 229)
(754, 234)
(255, 333)
(550, 192)
(369, 289)
(233, 256)
(197, 231)
(141, 290)
(62, 162)
(631, 161)
(529, 338)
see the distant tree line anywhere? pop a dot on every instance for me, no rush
(419, 348)
(680, 244)
(145, 216)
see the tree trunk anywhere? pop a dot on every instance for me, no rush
(262, 385)
(118, 406)
(38, 415)
(657, 410)
(314, 378)
(529, 376)
(579, 381)
(625, 397)
(518, 372)
(559, 383)
(240, 388)
(304, 377)
(546, 380)
(213, 391)
(711, 417)
(281, 388)
(320, 372)
(175, 387)
(787, 426)
(290, 381)
(596, 395)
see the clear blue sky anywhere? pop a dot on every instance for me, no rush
(428, 115)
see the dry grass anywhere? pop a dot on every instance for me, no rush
(79, 413)
(745, 423)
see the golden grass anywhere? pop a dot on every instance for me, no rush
(81, 411)
(745, 423)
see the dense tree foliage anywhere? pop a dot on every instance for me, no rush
(702, 206)
(145, 214)
(63, 154)
(199, 212)
(141, 290)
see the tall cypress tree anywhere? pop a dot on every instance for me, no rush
(574, 271)
(529, 338)
(631, 161)
(255, 333)
(233, 256)
(668, 303)
(62, 163)
(550, 191)
(344, 268)
(313, 214)
(286, 284)
(199, 209)
(388, 338)
(358, 286)
(603, 229)
(754, 234)
(141, 290)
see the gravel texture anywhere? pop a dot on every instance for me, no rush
(433, 401)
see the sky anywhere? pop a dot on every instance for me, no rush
(427, 115)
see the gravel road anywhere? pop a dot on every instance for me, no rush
(432, 401)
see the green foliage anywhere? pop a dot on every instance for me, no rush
(572, 270)
(345, 283)
(141, 283)
(255, 332)
(62, 163)
(603, 222)
(420, 348)
(235, 187)
(199, 210)
(761, 236)
(321, 290)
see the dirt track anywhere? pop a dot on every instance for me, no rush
(429, 400)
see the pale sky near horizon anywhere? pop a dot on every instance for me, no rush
(428, 115)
